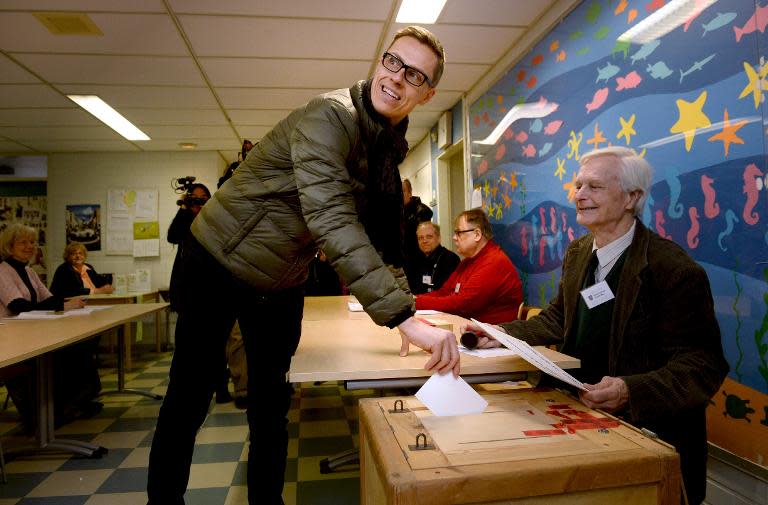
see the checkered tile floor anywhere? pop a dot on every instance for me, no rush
(323, 421)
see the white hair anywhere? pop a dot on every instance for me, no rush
(636, 173)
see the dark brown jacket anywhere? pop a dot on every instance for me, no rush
(665, 341)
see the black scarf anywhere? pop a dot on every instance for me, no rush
(21, 270)
(384, 220)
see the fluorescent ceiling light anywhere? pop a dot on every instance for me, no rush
(109, 116)
(521, 111)
(664, 20)
(419, 11)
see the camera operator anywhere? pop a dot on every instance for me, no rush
(195, 196)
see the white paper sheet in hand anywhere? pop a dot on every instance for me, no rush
(531, 355)
(445, 395)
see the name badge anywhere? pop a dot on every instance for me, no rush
(597, 294)
(456, 289)
(426, 279)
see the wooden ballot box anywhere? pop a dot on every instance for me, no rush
(527, 447)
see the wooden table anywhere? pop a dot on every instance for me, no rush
(337, 344)
(21, 340)
(531, 447)
(340, 345)
(132, 297)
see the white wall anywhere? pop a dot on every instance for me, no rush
(417, 167)
(84, 178)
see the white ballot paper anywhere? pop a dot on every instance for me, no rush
(445, 395)
(353, 305)
(531, 355)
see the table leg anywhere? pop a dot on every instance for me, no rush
(124, 345)
(121, 389)
(158, 346)
(46, 440)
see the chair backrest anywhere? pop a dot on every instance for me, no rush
(533, 311)
(527, 311)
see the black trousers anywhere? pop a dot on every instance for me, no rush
(211, 301)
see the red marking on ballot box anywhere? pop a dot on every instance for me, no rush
(542, 433)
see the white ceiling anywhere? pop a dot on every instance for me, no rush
(214, 72)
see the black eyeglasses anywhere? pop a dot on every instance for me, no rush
(459, 232)
(413, 76)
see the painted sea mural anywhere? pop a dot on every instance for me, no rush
(693, 103)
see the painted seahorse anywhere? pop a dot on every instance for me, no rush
(565, 220)
(553, 219)
(660, 225)
(543, 216)
(675, 209)
(647, 209)
(730, 220)
(542, 246)
(751, 172)
(693, 231)
(711, 207)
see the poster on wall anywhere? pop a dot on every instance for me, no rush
(692, 102)
(83, 224)
(125, 209)
(31, 211)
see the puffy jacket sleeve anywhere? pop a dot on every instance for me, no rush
(321, 144)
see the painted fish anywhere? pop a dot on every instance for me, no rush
(629, 81)
(529, 151)
(537, 60)
(718, 22)
(696, 66)
(599, 98)
(545, 149)
(575, 35)
(536, 126)
(659, 70)
(582, 51)
(601, 33)
(605, 73)
(758, 21)
(554, 46)
(645, 51)
(531, 82)
(631, 15)
(552, 127)
(521, 137)
(620, 8)
(594, 11)
(655, 4)
(560, 56)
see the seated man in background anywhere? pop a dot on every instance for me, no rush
(435, 264)
(651, 354)
(485, 285)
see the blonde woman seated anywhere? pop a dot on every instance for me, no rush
(21, 290)
(75, 277)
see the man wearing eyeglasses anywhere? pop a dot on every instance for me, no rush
(485, 285)
(325, 177)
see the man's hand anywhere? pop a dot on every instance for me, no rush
(484, 341)
(441, 343)
(610, 394)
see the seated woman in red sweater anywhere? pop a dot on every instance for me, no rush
(485, 285)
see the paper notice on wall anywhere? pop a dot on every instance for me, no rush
(120, 283)
(140, 281)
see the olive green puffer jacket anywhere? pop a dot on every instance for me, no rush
(299, 189)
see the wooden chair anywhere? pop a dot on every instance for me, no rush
(527, 311)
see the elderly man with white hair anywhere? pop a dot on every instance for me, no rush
(637, 311)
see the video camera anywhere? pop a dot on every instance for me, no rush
(184, 185)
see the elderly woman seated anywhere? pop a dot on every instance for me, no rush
(76, 379)
(76, 277)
